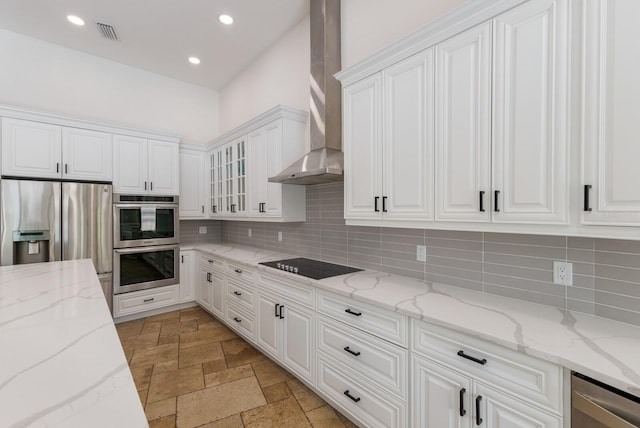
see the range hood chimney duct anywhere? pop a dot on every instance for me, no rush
(324, 163)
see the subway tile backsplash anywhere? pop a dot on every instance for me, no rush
(606, 272)
(189, 231)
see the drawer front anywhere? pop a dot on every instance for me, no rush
(238, 271)
(381, 362)
(241, 293)
(241, 321)
(211, 263)
(145, 300)
(527, 377)
(379, 322)
(371, 405)
(292, 290)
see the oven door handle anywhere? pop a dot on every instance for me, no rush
(140, 205)
(595, 411)
(150, 249)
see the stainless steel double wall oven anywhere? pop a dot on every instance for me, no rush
(145, 241)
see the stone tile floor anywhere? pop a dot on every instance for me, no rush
(192, 371)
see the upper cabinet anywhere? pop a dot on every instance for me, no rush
(192, 189)
(41, 150)
(530, 118)
(388, 134)
(142, 166)
(610, 189)
(242, 161)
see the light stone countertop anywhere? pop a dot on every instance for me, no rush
(61, 362)
(603, 349)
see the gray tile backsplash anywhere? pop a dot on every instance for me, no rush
(606, 272)
(189, 231)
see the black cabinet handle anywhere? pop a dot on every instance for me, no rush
(236, 319)
(237, 293)
(475, 360)
(462, 410)
(149, 300)
(214, 208)
(478, 418)
(57, 167)
(280, 313)
(276, 314)
(355, 399)
(151, 185)
(375, 204)
(384, 204)
(496, 195)
(237, 270)
(210, 261)
(233, 208)
(587, 188)
(482, 201)
(182, 258)
(208, 276)
(66, 168)
(145, 185)
(357, 354)
(202, 209)
(349, 311)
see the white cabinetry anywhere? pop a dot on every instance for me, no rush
(143, 165)
(192, 179)
(145, 300)
(530, 114)
(41, 150)
(611, 119)
(242, 160)
(460, 381)
(285, 327)
(391, 177)
(210, 285)
(463, 127)
(187, 280)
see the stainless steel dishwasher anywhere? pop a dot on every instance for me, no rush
(596, 405)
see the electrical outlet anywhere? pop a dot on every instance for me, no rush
(421, 253)
(249, 233)
(563, 273)
(279, 236)
(202, 230)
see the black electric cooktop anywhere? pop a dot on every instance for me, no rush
(310, 268)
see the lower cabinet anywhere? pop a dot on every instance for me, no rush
(187, 283)
(145, 300)
(210, 285)
(285, 330)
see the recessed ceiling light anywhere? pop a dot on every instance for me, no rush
(75, 20)
(194, 60)
(226, 19)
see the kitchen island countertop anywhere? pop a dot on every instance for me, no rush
(604, 349)
(61, 362)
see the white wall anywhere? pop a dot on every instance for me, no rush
(279, 76)
(46, 77)
(370, 25)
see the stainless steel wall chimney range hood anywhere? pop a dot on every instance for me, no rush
(324, 163)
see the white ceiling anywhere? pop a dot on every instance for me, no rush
(159, 35)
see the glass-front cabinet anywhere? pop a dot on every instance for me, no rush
(228, 193)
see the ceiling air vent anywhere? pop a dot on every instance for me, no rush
(107, 31)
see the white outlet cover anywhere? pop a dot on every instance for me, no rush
(279, 236)
(421, 253)
(562, 273)
(249, 233)
(202, 230)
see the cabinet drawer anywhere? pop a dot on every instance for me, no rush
(292, 290)
(242, 272)
(241, 321)
(209, 262)
(379, 322)
(371, 405)
(380, 361)
(518, 374)
(145, 300)
(241, 293)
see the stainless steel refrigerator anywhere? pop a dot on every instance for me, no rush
(51, 221)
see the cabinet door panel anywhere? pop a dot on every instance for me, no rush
(408, 138)
(203, 295)
(268, 326)
(129, 165)
(463, 126)
(31, 149)
(272, 156)
(362, 149)
(297, 345)
(217, 301)
(436, 396)
(187, 286)
(257, 172)
(86, 155)
(191, 183)
(217, 190)
(163, 168)
(611, 122)
(530, 120)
